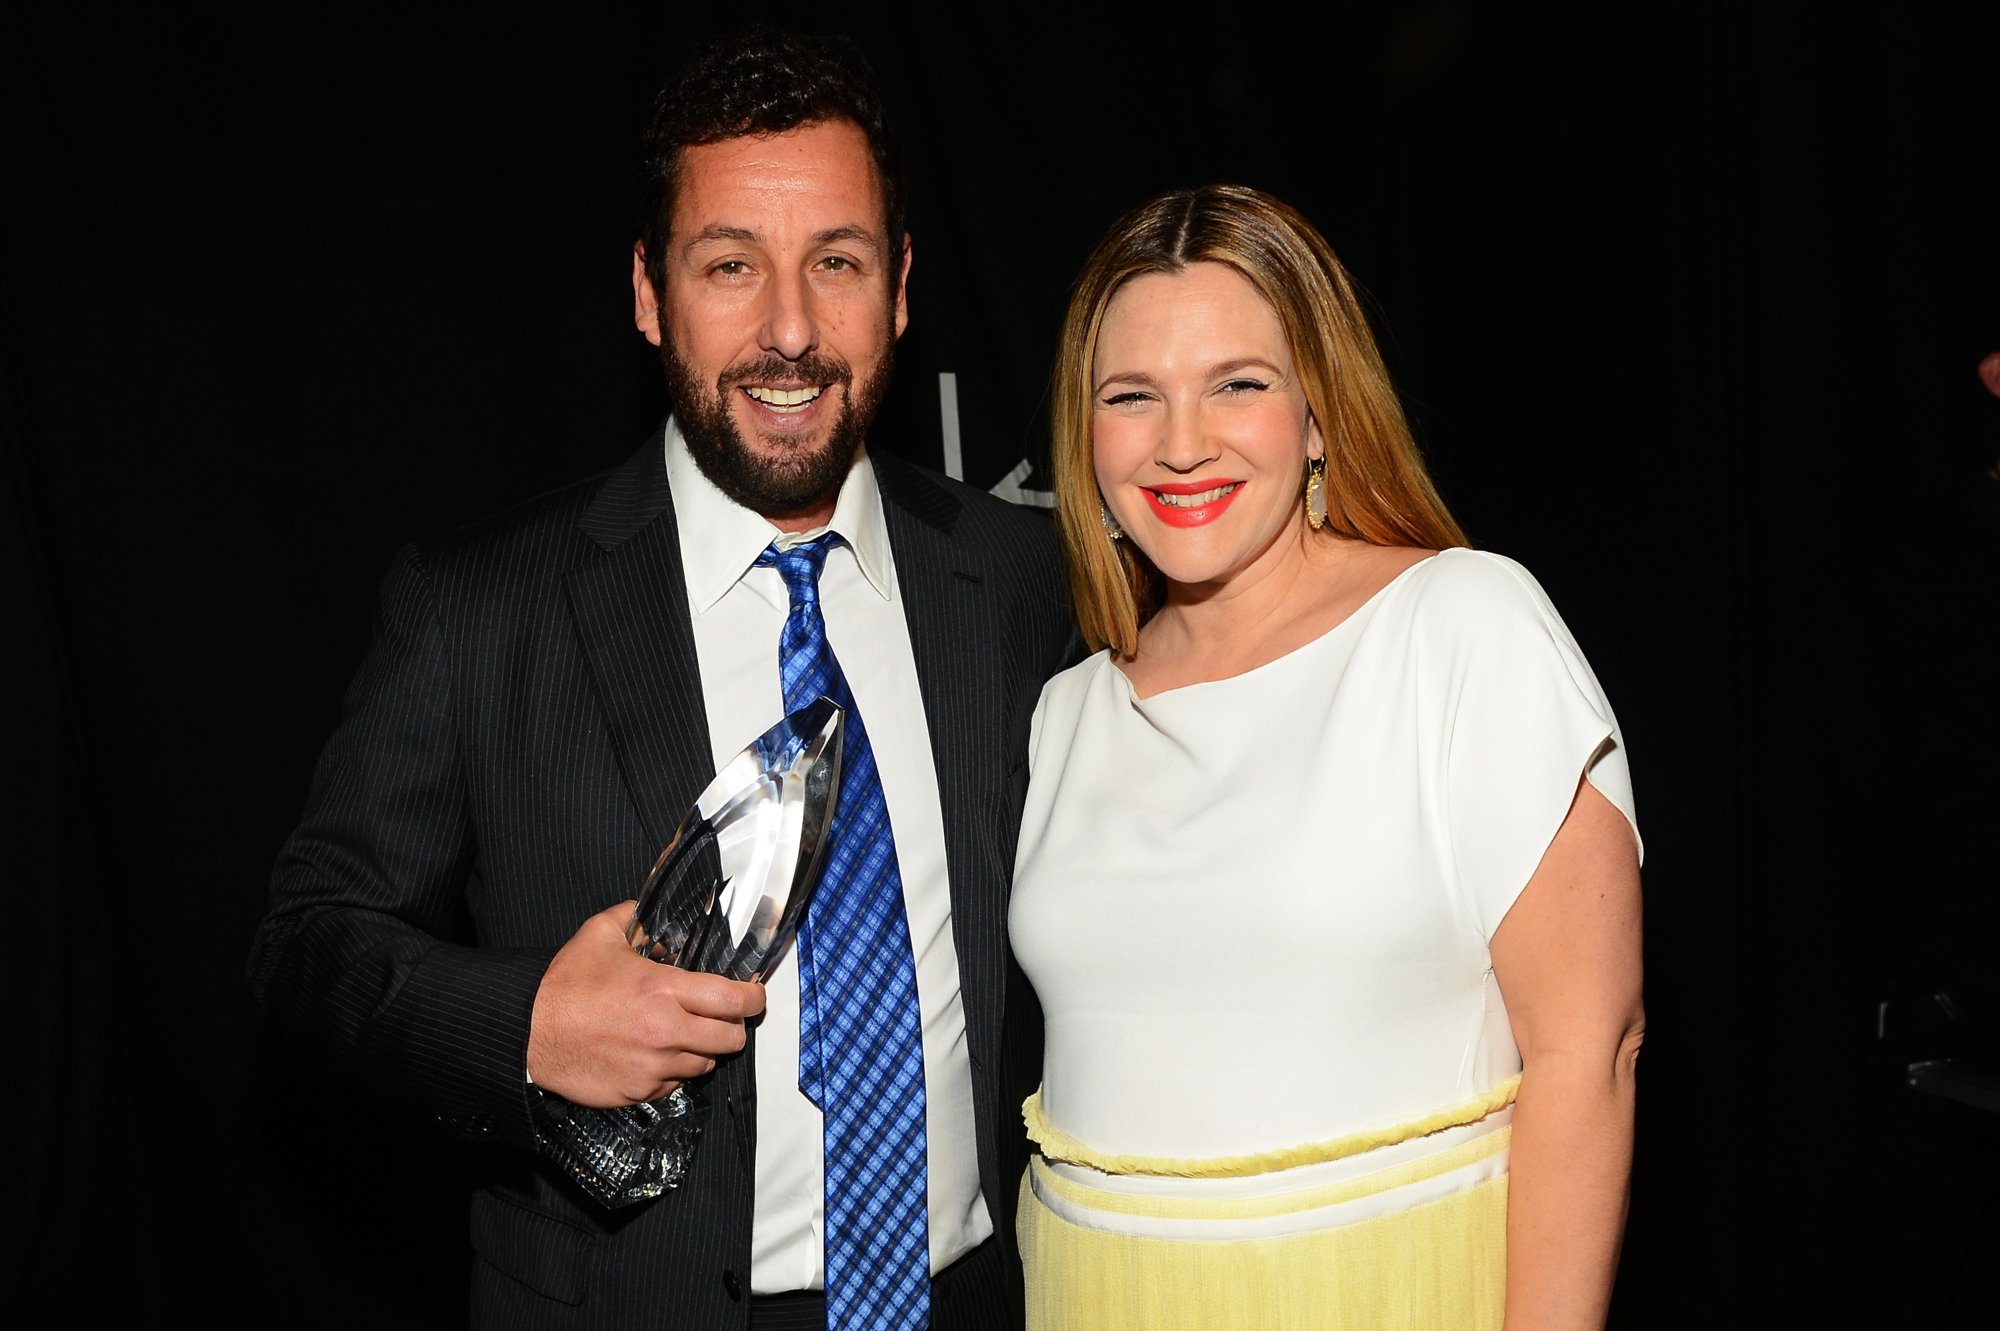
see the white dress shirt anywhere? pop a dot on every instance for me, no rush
(738, 611)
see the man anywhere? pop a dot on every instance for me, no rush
(547, 693)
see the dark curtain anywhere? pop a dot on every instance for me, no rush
(1686, 304)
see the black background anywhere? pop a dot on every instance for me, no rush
(1686, 302)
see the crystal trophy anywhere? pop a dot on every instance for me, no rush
(725, 898)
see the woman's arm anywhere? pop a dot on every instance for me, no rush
(1568, 960)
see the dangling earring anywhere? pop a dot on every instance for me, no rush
(1111, 527)
(1316, 492)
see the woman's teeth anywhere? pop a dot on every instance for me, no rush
(1195, 500)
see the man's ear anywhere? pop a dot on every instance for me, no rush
(645, 301)
(902, 288)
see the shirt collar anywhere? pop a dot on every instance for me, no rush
(721, 539)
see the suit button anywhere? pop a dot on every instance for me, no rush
(731, 1286)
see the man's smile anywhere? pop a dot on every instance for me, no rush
(784, 400)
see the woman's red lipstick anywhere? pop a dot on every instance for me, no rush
(1192, 515)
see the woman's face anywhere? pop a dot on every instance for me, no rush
(1199, 428)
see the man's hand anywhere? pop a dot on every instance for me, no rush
(613, 1028)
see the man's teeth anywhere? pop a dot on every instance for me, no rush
(785, 399)
(1195, 500)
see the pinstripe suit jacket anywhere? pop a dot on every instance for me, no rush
(521, 740)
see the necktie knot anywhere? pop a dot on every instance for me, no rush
(800, 566)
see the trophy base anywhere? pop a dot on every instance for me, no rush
(624, 1155)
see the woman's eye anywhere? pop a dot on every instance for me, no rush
(1126, 399)
(1245, 386)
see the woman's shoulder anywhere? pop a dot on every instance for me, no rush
(1059, 710)
(1067, 687)
(1474, 590)
(1462, 570)
(1480, 616)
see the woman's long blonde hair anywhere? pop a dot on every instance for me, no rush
(1377, 487)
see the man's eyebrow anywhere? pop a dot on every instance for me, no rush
(718, 231)
(743, 235)
(851, 233)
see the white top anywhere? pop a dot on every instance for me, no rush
(1256, 910)
(738, 610)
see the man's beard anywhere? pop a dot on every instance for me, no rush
(801, 474)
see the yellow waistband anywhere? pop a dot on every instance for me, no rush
(1059, 1145)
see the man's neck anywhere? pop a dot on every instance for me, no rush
(817, 516)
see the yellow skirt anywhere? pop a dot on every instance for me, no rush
(1416, 1245)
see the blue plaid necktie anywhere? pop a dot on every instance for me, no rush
(861, 1048)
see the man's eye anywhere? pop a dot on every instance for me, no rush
(835, 263)
(731, 268)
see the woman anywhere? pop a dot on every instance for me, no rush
(1329, 879)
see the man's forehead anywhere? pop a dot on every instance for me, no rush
(816, 178)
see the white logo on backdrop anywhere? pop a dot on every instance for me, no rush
(1009, 486)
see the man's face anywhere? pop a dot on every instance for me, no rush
(783, 302)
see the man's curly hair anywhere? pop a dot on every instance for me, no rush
(761, 81)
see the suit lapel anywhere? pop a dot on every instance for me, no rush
(631, 614)
(954, 636)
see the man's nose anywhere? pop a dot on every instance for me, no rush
(791, 321)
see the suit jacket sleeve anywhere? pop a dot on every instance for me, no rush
(353, 960)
